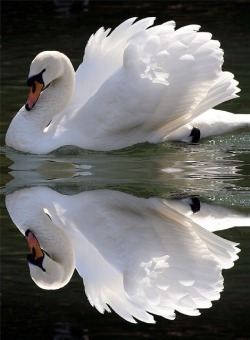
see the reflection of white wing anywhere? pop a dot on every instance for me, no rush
(210, 217)
(137, 256)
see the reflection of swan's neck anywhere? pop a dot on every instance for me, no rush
(59, 262)
(27, 130)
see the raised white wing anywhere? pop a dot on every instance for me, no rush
(150, 83)
(103, 56)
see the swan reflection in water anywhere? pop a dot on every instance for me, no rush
(136, 256)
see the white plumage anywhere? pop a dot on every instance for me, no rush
(136, 256)
(135, 84)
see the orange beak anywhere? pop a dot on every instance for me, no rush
(34, 94)
(34, 246)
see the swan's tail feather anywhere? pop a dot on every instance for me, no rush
(224, 89)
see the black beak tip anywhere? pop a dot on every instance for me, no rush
(27, 232)
(27, 107)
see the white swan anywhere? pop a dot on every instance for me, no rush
(136, 256)
(137, 84)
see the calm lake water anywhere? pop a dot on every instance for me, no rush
(217, 172)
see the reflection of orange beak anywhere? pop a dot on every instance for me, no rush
(34, 94)
(34, 245)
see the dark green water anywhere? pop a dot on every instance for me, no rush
(217, 171)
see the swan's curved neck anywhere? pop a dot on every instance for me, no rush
(59, 259)
(27, 131)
